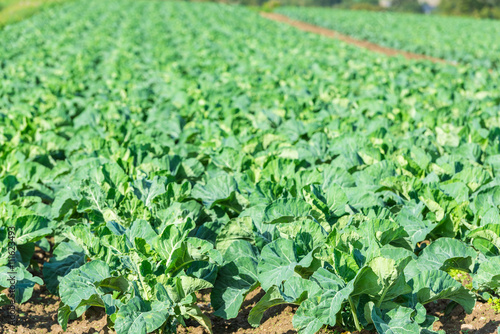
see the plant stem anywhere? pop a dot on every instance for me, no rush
(175, 270)
(355, 316)
(382, 297)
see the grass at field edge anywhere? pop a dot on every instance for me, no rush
(18, 10)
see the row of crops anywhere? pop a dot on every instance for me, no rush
(161, 148)
(465, 40)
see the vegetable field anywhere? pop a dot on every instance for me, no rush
(456, 39)
(158, 149)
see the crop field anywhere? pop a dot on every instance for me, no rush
(456, 39)
(163, 162)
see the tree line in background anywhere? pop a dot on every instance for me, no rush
(477, 8)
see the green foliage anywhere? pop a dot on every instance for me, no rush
(271, 5)
(456, 39)
(364, 6)
(12, 11)
(478, 8)
(495, 304)
(169, 147)
(407, 6)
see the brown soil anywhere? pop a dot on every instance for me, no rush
(40, 257)
(276, 320)
(483, 319)
(39, 315)
(345, 38)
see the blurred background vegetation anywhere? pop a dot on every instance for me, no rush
(475, 8)
(16, 10)
(478, 8)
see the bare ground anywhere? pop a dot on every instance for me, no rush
(39, 316)
(483, 320)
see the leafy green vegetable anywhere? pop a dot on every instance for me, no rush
(157, 149)
(405, 31)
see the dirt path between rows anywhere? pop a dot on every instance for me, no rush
(39, 316)
(348, 39)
